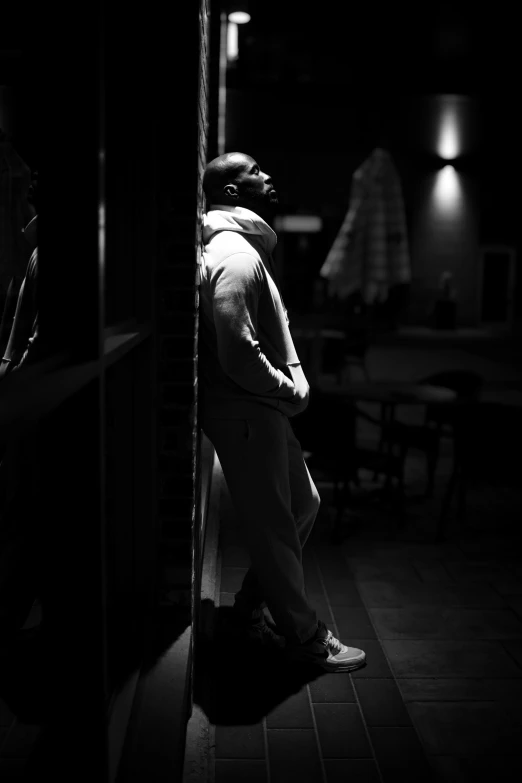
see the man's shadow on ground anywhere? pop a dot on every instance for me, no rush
(26, 663)
(237, 681)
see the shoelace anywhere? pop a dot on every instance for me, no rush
(334, 644)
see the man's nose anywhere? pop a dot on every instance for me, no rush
(267, 178)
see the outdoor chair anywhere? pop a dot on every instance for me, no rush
(327, 431)
(439, 420)
(487, 453)
(345, 357)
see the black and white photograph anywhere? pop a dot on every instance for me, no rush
(260, 392)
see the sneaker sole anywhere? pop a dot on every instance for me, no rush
(329, 666)
(344, 667)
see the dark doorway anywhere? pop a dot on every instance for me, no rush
(497, 269)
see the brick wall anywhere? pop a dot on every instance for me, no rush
(185, 124)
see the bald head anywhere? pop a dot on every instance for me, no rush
(222, 171)
(235, 179)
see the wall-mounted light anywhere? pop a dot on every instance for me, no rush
(448, 192)
(239, 17)
(228, 53)
(234, 19)
(232, 42)
(453, 114)
(449, 136)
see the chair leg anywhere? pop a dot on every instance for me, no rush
(400, 491)
(388, 481)
(336, 493)
(340, 504)
(386, 417)
(380, 449)
(446, 505)
(461, 501)
(432, 458)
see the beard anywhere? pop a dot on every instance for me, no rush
(265, 204)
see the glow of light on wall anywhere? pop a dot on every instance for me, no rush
(298, 224)
(101, 217)
(449, 140)
(101, 234)
(239, 17)
(232, 41)
(447, 192)
(222, 94)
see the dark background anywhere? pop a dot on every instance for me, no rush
(315, 89)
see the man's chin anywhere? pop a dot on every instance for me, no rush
(264, 207)
(272, 203)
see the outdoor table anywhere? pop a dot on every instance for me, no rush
(312, 340)
(390, 393)
(312, 332)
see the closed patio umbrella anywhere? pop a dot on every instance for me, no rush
(370, 253)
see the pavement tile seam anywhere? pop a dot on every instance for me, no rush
(416, 570)
(396, 623)
(318, 567)
(227, 745)
(515, 604)
(357, 701)
(6, 732)
(511, 655)
(466, 730)
(370, 621)
(228, 770)
(503, 595)
(267, 755)
(466, 557)
(399, 692)
(428, 658)
(401, 594)
(316, 735)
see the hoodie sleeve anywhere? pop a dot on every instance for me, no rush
(236, 285)
(23, 340)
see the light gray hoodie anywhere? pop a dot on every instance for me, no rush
(247, 358)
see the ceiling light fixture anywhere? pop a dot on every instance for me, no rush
(239, 17)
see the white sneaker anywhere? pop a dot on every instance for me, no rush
(326, 651)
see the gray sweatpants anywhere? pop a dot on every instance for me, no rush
(277, 503)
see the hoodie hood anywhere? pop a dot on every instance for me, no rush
(30, 232)
(224, 218)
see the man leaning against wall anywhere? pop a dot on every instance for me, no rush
(251, 385)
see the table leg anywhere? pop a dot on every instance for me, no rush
(316, 348)
(446, 505)
(387, 416)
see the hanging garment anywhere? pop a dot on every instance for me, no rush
(370, 252)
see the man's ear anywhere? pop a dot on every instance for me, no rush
(231, 191)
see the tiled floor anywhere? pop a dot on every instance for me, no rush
(441, 625)
(439, 699)
(17, 734)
